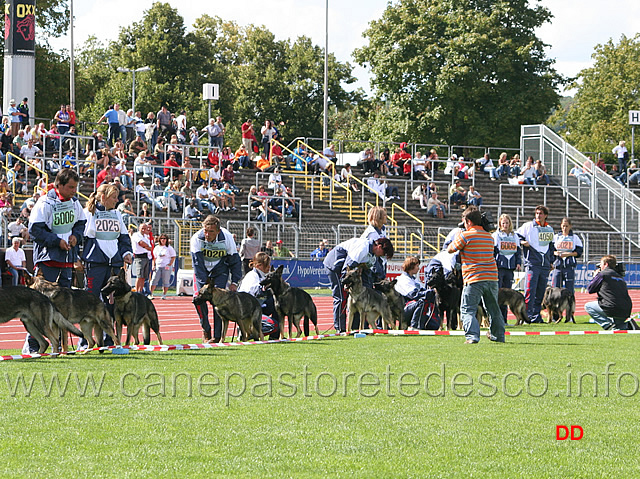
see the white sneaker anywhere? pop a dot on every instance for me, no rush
(164, 296)
(531, 189)
(150, 296)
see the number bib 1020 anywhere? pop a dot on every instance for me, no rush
(107, 225)
(64, 217)
(214, 251)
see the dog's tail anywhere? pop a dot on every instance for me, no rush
(154, 324)
(571, 310)
(64, 323)
(312, 315)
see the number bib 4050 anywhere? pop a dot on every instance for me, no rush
(545, 235)
(64, 217)
(107, 225)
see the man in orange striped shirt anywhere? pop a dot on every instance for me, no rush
(480, 276)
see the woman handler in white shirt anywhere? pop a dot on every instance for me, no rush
(261, 264)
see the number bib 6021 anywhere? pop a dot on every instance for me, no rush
(64, 217)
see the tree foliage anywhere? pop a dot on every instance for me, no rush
(464, 71)
(259, 77)
(599, 116)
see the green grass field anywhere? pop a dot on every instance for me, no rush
(335, 407)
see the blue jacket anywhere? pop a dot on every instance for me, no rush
(106, 240)
(507, 250)
(540, 239)
(52, 220)
(567, 244)
(219, 257)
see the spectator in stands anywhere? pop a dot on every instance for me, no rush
(268, 132)
(581, 175)
(321, 164)
(107, 174)
(192, 212)
(601, 164)
(151, 130)
(281, 251)
(243, 157)
(30, 151)
(229, 175)
(320, 252)
(249, 247)
(172, 191)
(275, 181)
(216, 197)
(529, 174)
(474, 197)
(268, 214)
(484, 164)
(248, 137)
(395, 163)
(263, 162)
(366, 161)
(16, 180)
(164, 257)
(421, 193)
(253, 198)
(383, 162)
(17, 229)
(202, 197)
(514, 166)
(164, 122)
(536, 238)
(229, 196)
(345, 178)
(614, 304)
(109, 117)
(568, 247)
(15, 117)
(23, 108)
(126, 210)
(5, 127)
(435, 207)
(187, 191)
(137, 145)
(457, 195)
(622, 155)
(18, 142)
(502, 169)
(419, 167)
(452, 162)
(167, 201)
(16, 260)
(146, 196)
(142, 166)
(541, 174)
(508, 255)
(172, 167)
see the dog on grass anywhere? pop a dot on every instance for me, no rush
(38, 315)
(133, 310)
(448, 294)
(294, 303)
(559, 300)
(241, 308)
(79, 307)
(371, 304)
(395, 299)
(511, 298)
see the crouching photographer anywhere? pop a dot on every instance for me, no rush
(614, 305)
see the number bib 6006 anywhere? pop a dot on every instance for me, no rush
(107, 225)
(64, 217)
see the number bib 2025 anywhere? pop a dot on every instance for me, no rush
(107, 225)
(64, 217)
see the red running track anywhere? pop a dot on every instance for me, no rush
(179, 320)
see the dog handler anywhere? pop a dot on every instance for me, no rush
(107, 245)
(420, 303)
(614, 304)
(480, 278)
(536, 238)
(56, 225)
(508, 255)
(568, 247)
(349, 254)
(214, 255)
(261, 264)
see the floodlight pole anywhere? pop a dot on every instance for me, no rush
(325, 125)
(133, 87)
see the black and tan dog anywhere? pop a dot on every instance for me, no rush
(294, 303)
(133, 310)
(514, 300)
(395, 299)
(371, 304)
(241, 308)
(38, 315)
(79, 307)
(559, 300)
(448, 294)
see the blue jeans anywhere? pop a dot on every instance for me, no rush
(15, 276)
(487, 291)
(600, 317)
(564, 277)
(339, 301)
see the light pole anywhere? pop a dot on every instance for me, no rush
(325, 123)
(133, 88)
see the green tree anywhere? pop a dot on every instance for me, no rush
(464, 71)
(599, 116)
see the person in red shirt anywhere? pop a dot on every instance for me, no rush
(171, 162)
(228, 174)
(248, 135)
(213, 158)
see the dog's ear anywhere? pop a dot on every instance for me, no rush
(280, 269)
(40, 273)
(393, 282)
(122, 274)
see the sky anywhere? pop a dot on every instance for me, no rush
(577, 27)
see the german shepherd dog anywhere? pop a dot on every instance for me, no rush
(371, 304)
(448, 294)
(132, 310)
(395, 300)
(241, 308)
(79, 307)
(514, 300)
(557, 300)
(38, 315)
(294, 303)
